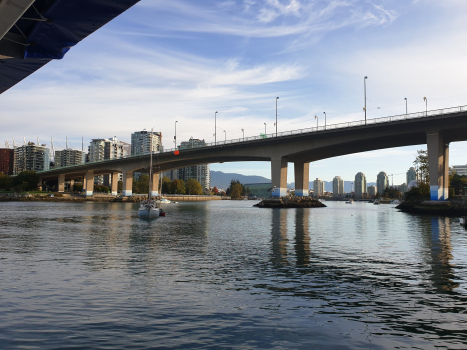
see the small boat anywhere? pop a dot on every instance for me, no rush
(148, 210)
(395, 201)
(350, 201)
(163, 201)
(463, 221)
(376, 203)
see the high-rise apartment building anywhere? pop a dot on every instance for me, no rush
(360, 185)
(31, 157)
(337, 186)
(318, 187)
(382, 182)
(7, 156)
(101, 149)
(68, 157)
(143, 142)
(411, 175)
(371, 190)
(201, 172)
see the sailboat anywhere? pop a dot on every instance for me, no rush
(148, 209)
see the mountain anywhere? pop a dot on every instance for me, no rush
(222, 180)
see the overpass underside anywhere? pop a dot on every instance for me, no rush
(301, 149)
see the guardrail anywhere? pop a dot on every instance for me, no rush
(415, 115)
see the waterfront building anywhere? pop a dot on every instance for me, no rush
(460, 169)
(382, 182)
(360, 185)
(101, 149)
(7, 156)
(337, 186)
(371, 190)
(31, 157)
(201, 172)
(68, 157)
(143, 142)
(318, 187)
(411, 175)
(260, 190)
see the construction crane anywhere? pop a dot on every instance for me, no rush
(392, 178)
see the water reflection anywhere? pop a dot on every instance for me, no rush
(279, 237)
(302, 237)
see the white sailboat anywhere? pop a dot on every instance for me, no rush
(148, 209)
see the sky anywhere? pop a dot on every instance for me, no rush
(179, 60)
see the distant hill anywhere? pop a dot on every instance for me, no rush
(222, 180)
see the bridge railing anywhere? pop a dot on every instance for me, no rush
(425, 114)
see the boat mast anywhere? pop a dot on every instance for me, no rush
(150, 169)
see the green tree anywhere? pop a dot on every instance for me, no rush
(236, 189)
(193, 187)
(143, 184)
(421, 166)
(391, 192)
(418, 193)
(178, 187)
(26, 180)
(166, 185)
(5, 182)
(458, 183)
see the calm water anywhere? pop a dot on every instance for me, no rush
(226, 275)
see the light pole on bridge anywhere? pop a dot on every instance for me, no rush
(215, 127)
(426, 105)
(243, 131)
(364, 93)
(324, 120)
(317, 119)
(225, 134)
(264, 128)
(406, 106)
(276, 114)
(175, 137)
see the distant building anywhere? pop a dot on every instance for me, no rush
(371, 190)
(337, 186)
(260, 190)
(7, 156)
(68, 157)
(143, 142)
(31, 157)
(171, 174)
(318, 187)
(101, 149)
(382, 182)
(201, 173)
(411, 175)
(402, 188)
(460, 169)
(360, 185)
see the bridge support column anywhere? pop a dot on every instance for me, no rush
(72, 183)
(438, 162)
(154, 184)
(302, 178)
(114, 184)
(278, 177)
(89, 181)
(61, 183)
(127, 182)
(39, 185)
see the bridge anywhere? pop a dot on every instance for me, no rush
(436, 128)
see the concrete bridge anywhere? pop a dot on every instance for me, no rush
(435, 128)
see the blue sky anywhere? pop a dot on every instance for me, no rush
(163, 61)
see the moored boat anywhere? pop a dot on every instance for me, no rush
(463, 221)
(148, 210)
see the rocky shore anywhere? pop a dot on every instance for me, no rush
(447, 208)
(290, 202)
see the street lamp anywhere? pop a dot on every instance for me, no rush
(243, 130)
(276, 114)
(264, 128)
(406, 105)
(225, 134)
(175, 137)
(364, 93)
(316, 117)
(215, 127)
(324, 120)
(426, 105)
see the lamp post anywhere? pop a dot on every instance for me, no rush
(324, 120)
(276, 114)
(426, 105)
(406, 106)
(215, 127)
(264, 128)
(225, 134)
(364, 93)
(316, 117)
(175, 137)
(243, 130)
